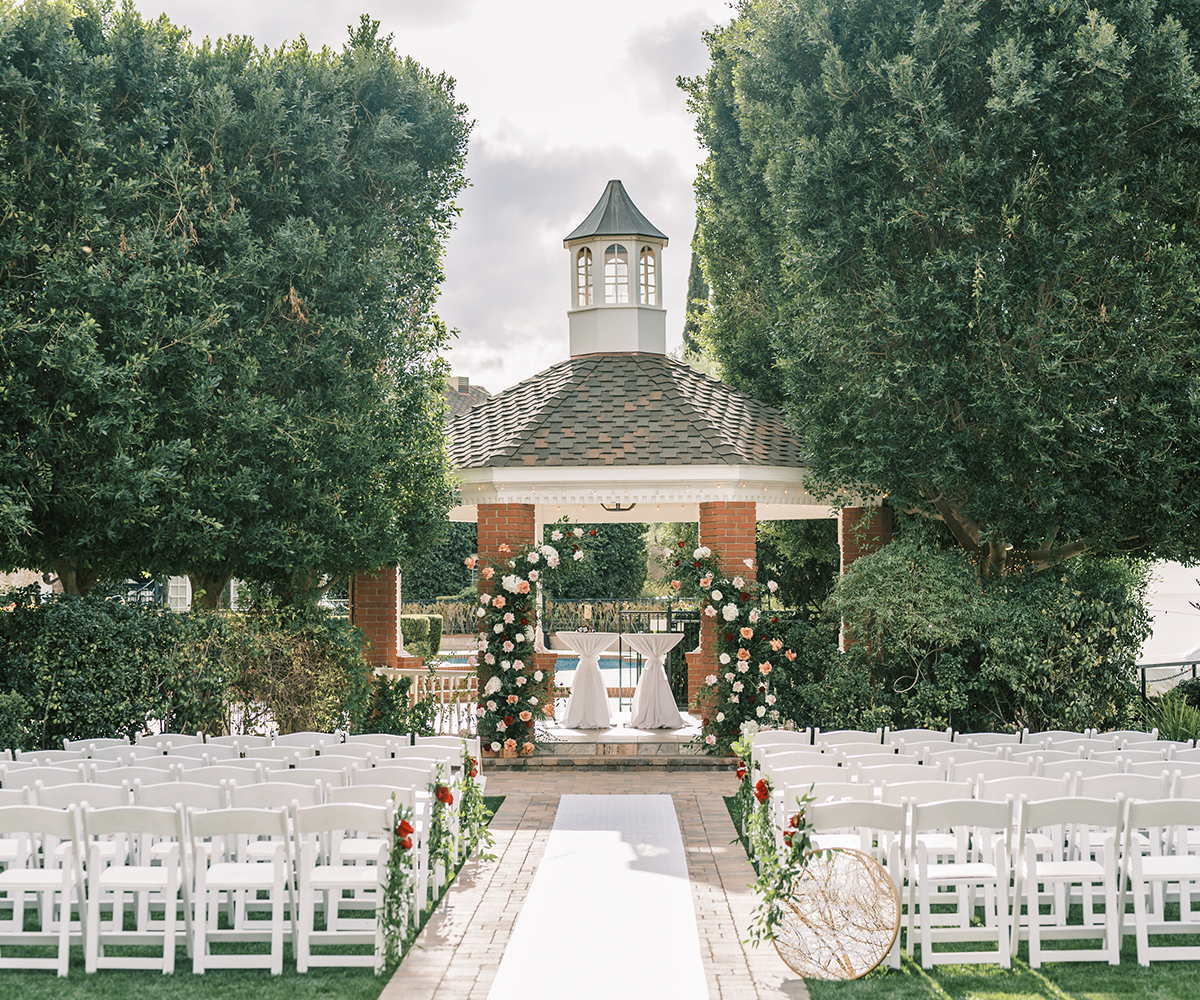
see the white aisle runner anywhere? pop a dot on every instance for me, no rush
(609, 914)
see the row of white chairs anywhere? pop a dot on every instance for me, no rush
(74, 863)
(1043, 738)
(957, 860)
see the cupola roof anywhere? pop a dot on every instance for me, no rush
(615, 214)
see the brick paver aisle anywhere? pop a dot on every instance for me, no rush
(459, 951)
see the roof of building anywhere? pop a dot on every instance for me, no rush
(461, 395)
(622, 409)
(615, 214)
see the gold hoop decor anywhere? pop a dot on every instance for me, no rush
(842, 918)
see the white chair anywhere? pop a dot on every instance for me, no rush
(875, 828)
(894, 773)
(160, 740)
(474, 744)
(1078, 767)
(128, 775)
(1073, 822)
(217, 774)
(982, 740)
(131, 871)
(13, 776)
(987, 770)
(50, 758)
(840, 736)
(379, 739)
(914, 736)
(1156, 767)
(401, 798)
(324, 872)
(1181, 756)
(285, 754)
(802, 775)
(91, 745)
(275, 795)
(998, 789)
(879, 759)
(977, 858)
(1123, 757)
(849, 748)
(52, 890)
(1046, 736)
(121, 754)
(1179, 816)
(768, 755)
(307, 740)
(227, 871)
(334, 777)
(1132, 735)
(206, 752)
(238, 742)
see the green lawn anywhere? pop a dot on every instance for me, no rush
(1053, 981)
(219, 984)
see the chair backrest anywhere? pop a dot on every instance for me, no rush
(97, 796)
(243, 741)
(839, 736)
(380, 739)
(202, 751)
(1047, 736)
(894, 773)
(58, 823)
(1071, 811)
(308, 740)
(275, 794)
(428, 752)
(121, 754)
(986, 770)
(131, 819)
(399, 776)
(20, 777)
(864, 818)
(964, 755)
(1133, 756)
(214, 774)
(926, 749)
(1084, 746)
(1148, 814)
(99, 743)
(1155, 768)
(51, 758)
(1045, 756)
(1184, 786)
(1057, 768)
(188, 794)
(453, 742)
(20, 796)
(357, 817)
(804, 774)
(1132, 786)
(160, 762)
(1190, 756)
(988, 739)
(330, 762)
(357, 751)
(849, 747)
(924, 791)
(982, 822)
(227, 822)
(1131, 735)
(911, 736)
(337, 777)
(373, 795)
(998, 789)
(161, 739)
(773, 757)
(128, 775)
(823, 791)
(772, 737)
(878, 759)
(291, 755)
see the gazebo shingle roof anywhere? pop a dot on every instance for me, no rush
(621, 409)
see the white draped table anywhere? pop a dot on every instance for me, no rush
(587, 707)
(653, 703)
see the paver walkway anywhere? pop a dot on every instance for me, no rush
(459, 951)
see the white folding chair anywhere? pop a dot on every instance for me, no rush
(875, 828)
(50, 758)
(13, 776)
(132, 871)
(840, 736)
(128, 775)
(1162, 755)
(918, 736)
(978, 859)
(226, 870)
(238, 742)
(850, 748)
(862, 760)
(1073, 822)
(894, 773)
(323, 871)
(333, 777)
(217, 774)
(91, 745)
(160, 740)
(983, 740)
(307, 740)
(288, 755)
(401, 798)
(1180, 817)
(987, 770)
(1132, 735)
(207, 752)
(31, 876)
(1077, 767)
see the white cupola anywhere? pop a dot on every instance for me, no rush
(616, 280)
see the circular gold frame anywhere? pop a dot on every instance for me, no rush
(842, 918)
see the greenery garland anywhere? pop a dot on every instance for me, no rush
(777, 871)
(473, 815)
(441, 843)
(397, 894)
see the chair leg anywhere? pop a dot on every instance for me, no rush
(277, 921)
(91, 934)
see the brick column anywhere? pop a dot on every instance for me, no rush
(728, 529)
(863, 530)
(375, 609)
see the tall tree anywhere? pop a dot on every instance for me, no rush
(219, 300)
(958, 243)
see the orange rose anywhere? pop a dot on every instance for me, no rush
(764, 668)
(747, 633)
(743, 654)
(790, 655)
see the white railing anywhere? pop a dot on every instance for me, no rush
(453, 688)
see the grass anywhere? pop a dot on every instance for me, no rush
(215, 984)
(1053, 981)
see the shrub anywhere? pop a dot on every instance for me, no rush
(393, 711)
(15, 715)
(1175, 717)
(422, 634)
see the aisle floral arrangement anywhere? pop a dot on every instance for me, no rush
(514, 694)
(749, 649)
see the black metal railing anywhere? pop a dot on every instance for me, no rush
(1182, 669)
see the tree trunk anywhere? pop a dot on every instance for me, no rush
(207, 589)
(76, 579)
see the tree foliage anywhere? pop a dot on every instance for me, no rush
(957, 242)
(614, 568)
(220, 263)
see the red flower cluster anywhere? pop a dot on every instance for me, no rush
(762, 791)
(792, 827)
(741, 771)
(474, 772)
(404, 831)
(444, 795)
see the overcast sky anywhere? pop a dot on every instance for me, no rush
(564, 96)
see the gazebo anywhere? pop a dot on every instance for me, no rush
(620, 432)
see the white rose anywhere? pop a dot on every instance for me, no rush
(739, 583)
(501, 726)
(729, 612)
(533, 557)
(729, 676)
(724, 658)
(495, 746)
(761, 711)
(498, 628)
(710, 680)
(556, 536)
(578, 555)
(549, 551)
(720, 716)
(754, 615)
(484, 599)
(577, 532)
(772, 586)
(710, 611)
(538, 675)
(520, 681)
(479, 612)
(770, 699)
(491, 706)
(748, 563)
(493, 685)
(733, 698)
(533, 699)
(480, 712)
(743, 666)
(737, 685)
(702, 553)
(505, 665)
(511, 583)
(716, 595)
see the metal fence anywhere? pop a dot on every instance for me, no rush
(1178, 670)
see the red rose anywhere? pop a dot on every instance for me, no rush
(406, 843)
(703, 723)
(741, 770)
(696, 564)
(444, 795)
(794, 822)
(404, 828)
(750, 698)
(787, 839)
(474, 767)
(744, 597)
(508, 720)
(681, 544)
(762, 790)
(676, 562)
(775, 620)
(592, 532)
(729, 637)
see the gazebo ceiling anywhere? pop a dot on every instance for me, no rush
(622, 429)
